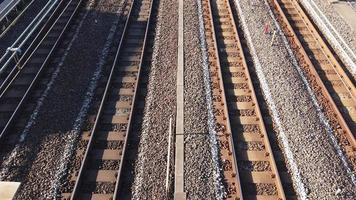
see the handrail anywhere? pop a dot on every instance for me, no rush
(19, 64)
(12, 3)
(14, 45)
(11, 22)
(25, 96)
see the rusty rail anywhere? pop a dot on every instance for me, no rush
(239, 114)
(231, 178)
(333, 87)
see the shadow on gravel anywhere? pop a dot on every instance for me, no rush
(37, 161)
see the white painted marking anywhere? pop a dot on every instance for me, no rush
(8, 190)
(179, 156)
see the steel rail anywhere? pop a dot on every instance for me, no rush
(345, 51)
(226, 114)
(84, 162)
(44, 64)
(331, 57)
(134, 98)
(275, 177)
(267, 143)
(347, 82)
(31, 31)
(292, 35)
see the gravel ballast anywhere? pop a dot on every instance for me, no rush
(198, 163)
(317, 169)
(50, 137)
(150, 167)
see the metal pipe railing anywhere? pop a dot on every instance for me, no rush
(59, 38)
(12, 4)
(47, 9)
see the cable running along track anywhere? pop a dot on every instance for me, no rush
(102, 158)
(252, 174)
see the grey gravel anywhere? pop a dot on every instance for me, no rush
(321, 170)
(198, 163)
(198, 180)
(150, 167)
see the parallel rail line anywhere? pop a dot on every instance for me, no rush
(102, 158)
(127, 178)
(270, 125)
(21, 81)
(253, 173)
(335, 89)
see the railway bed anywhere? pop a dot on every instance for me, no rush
(128, 175)
(270, 125)
(252, 159)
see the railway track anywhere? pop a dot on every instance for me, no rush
(335, 89)
(253, 173)
(103, 144)
(21, 80)
(128, 175)
(270, 125)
